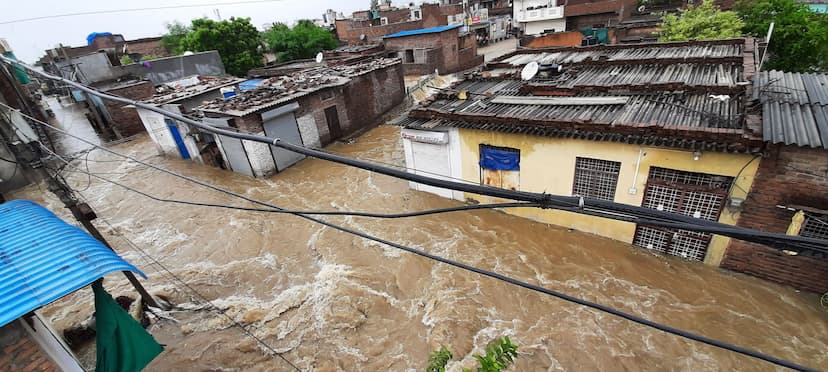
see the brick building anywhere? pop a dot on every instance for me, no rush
(118, 118)
(370, 26)
(312, 107)
(443, 49)
(790, 194)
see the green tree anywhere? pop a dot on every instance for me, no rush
(172, 39)
(800, 36)
(237, 41)
(499, 355)
(702, 22)
(302, 41)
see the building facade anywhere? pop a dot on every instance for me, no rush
(443, 49)
(176, 139)
(535, 17)
(312, 107)
(620, 123)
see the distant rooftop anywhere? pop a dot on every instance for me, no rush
(423, 31)
(277, 90)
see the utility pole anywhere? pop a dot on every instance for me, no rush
(26, 154)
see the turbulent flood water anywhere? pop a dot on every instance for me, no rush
(329, 301)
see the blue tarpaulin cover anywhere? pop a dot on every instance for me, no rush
(91, 37)
(495, 159)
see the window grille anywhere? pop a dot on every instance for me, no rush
(815, 226)
(690, 178)
(595, 178)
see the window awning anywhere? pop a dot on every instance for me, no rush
(43, 258)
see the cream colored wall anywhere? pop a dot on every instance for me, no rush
(548, 165)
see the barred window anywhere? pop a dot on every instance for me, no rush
(815, 226)
(595, 178)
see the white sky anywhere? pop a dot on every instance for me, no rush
(28, 40)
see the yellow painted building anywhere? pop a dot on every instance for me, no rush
(662, 126)
(548, 165)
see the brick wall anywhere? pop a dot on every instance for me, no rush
(18, 352)
(435, 15)
(369, 96)
(148, 47)
(446, 41)
(556, 39)
(789, 176)
(349, 30)
(126, 120)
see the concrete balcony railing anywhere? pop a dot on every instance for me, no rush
(542, 14)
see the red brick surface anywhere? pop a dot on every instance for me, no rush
(126, 120)
(789, 176)
(20, 353)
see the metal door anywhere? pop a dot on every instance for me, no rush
(179, 142)
(285, 128)
(332, 116)
(693, 194)
(236, 156)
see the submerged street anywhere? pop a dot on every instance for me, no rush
(329, 301)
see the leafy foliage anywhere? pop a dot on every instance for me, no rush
(125, 60)
(438, 359)
(237, 41)
(172, 39)
(800, 36)
(499, 356)
(702, 22)
(302, 41)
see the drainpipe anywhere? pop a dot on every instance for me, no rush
(633, 190)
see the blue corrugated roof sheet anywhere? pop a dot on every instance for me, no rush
(43, 258)
(250, 84)
(421, 31)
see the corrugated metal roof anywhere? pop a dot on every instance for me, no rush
(43, 258)
(629, 54)
(794, 107)
(535, 130)
(690, 110)
(422, 31)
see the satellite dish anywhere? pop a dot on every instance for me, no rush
(188, 53)
(319, 57)
(529, 71)
(362, 37)
(641, 9)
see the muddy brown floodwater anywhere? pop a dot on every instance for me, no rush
(330, 301)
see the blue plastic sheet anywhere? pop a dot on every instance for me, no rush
(495, 159)
(91, 37)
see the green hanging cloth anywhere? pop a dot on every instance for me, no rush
(123, 345)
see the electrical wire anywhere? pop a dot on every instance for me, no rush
(203, 298)
(543, 199)
(285, 211)
(96, 12)
(572, 299)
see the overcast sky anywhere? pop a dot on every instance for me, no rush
(30, 39)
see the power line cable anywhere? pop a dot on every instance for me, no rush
(203, 298)
(285, 211)
(96, 12)
(779, 241)
(592, 212)
(494, 275)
